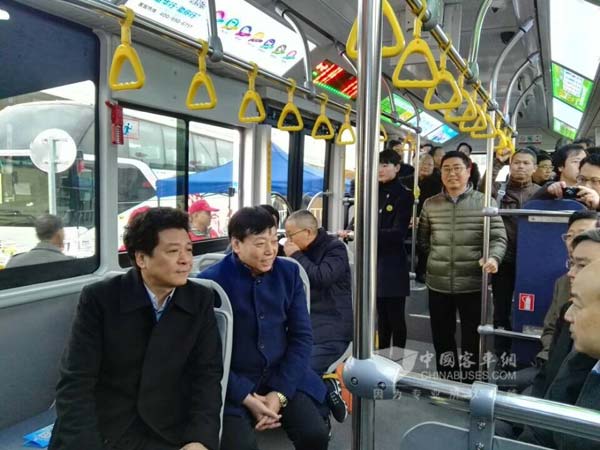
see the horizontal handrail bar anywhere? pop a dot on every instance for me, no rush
(153, 27)
(512, 407)
(525, 212)
(489, 330)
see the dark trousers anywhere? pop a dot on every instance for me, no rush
(301, 419)
(391, 324)
(421, 266)
(325, 354)
(442, 310)
(503, 285)
(140, 437)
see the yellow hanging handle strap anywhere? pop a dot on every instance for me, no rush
(290, 108)
(386, 52)
(480, 124)
(470, 112)
(417, 46)
(346, 127)
(201, 78)
(323, 120)
(383, 133)
(252, 96)
(484, 134)
(444, 76)
(125, 52)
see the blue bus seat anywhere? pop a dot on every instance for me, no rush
(536, 272)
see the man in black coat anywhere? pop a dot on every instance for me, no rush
(143, 367)
(325, 260)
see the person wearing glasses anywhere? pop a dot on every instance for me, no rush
(587, 183)
(545, 169)
(579, 222)
(451, 230)
(325, 260)
(575, 378)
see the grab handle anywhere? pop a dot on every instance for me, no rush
(252, 96)
(201, 78)
(125, 52)
(290, 108)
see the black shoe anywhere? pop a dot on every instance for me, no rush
(336, 403)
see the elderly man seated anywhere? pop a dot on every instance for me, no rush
(325, 260)
(271, 383)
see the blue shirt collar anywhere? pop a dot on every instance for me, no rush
(158, 311)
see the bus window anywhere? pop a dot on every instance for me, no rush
(143, 137)
(213, 179)
(313, 176)
(280, 150)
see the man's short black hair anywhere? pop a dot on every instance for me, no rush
(589, 142)
(559, 157)
(589, 235)
(593, 150)
(543, 156)
(584, 214)
(466, 144)
(526, 151)
(141, 234)
(393, 143)
(47, 225)
(249, 220)
(427, 145)
(456, 154)
(271, 211)
(592, 159)
(390, 157)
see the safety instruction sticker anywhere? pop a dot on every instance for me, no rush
(527, 302)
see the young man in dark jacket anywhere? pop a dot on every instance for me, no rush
(510, 194)
(451, 230)
(143, 367)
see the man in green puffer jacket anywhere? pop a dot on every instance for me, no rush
(451, 231)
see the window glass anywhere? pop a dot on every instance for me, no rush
(280, 151)
(313, 176)
(213, 187)
(150, 153)
(32, 133)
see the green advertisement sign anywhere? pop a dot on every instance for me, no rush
(571, 88)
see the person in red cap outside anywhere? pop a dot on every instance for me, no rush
(134, 213)
(200, 216)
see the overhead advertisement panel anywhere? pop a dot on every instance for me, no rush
(404, 108)
(245, 31)
(442, 134)
(428, 123)
(566, 113)
(562, 128)
(574, 34)
(570, 87)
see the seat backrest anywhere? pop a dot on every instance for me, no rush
(205, 260)
(224, 316)
(303, 277)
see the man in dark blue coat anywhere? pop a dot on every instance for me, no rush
(325, 260)
(271, 383)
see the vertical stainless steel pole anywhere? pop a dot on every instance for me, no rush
(416, 190)
(485, 306)
(369, 94)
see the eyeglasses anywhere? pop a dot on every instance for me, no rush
(544, 167)
(566, 236)
(454, 169)
(291, 235)
(584, 180)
